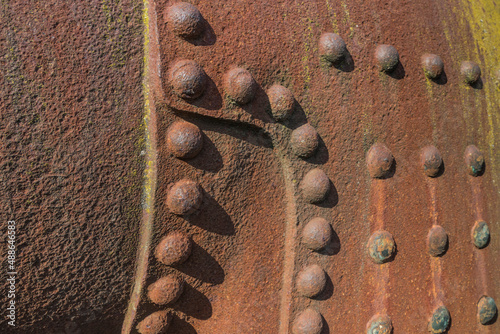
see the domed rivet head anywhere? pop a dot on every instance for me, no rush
(166, 290)
(381, 247)
(431, 161)
(308, 321)
(155, 323)
(387, 57)
(470, 72)
(440, 320)
(437, 241)
(486, 310)
(332, 48)
(480, 234)
(184, 198)
(317, 234)
(188, 79)
(474, 160)
(311, 281)
(282, 102)
(184, 140)
(380, 161)
(239, 85)
(174, 249)
(304, 141)
(315, 186)
(379, 324)
(433, 65)
(185, 20)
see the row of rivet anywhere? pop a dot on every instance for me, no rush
(189, 80)
(184, 141)
(381, 245)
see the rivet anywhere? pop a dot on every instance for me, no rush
(486, 310)
(304, 141)
(471, 72)
(332, 48)
(317, 234)
(480, 234)
(239, 85)
(184, 140)
(379, 324)
(315, 186)
(155, 323)
(166, 290)
(309, 321)
(437, 241)
(440, 320)
(381, 246)
(387, 57)
(380, 161)
(433, 65)
(311, 281)
(174, 249)
(474, 160)
(184, 198)
(431, 161)
(282, 102)
(185, 20)
(188, 79)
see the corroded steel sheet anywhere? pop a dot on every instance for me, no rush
(280, 167)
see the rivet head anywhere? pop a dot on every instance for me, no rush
(155, 323)
(332, 48)
(431, 161)
(308, 321)
(166, 290)
(380, 161)
(381, 247)
(185, 20)
(437, 241)
(470, 71)
(387, 57)
(184, 198)
(188, 79)
(379, 324)
(433, 65)
(474, 160)
(304, 141)
(440, 320)
(317, 234)
(174, 249)
(486, 310)
(315, 186)
(184, 140)
(480, 234)
(239, 85)
(282, 102)
(311, 281)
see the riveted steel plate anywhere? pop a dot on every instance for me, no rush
(309, 167)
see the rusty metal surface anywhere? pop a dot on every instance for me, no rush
(389, 97)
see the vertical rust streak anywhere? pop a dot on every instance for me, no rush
(378, 191)
(435, 262)
(151, 90)
(289, 256)
(477, 202)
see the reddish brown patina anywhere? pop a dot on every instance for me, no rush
(380, 118)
